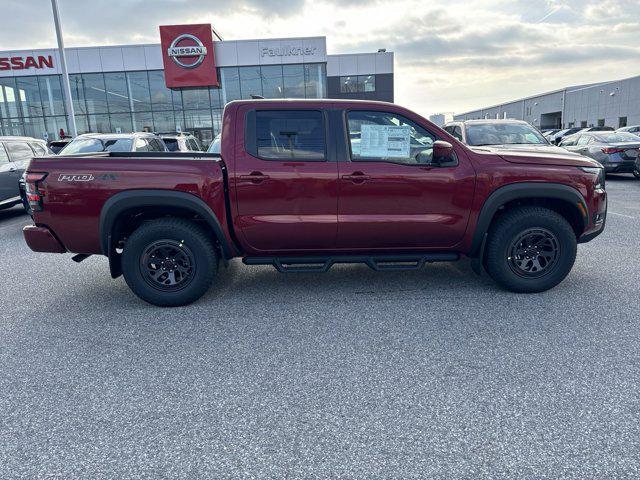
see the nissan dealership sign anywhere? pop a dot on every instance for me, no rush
(26, 62)
(188, 56)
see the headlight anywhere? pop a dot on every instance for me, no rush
(599, 172)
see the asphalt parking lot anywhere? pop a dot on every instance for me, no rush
(347, 374)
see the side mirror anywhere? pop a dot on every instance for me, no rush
(442, 151)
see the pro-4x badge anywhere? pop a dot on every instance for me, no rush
(78, 177)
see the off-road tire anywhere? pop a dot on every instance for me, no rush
(506, 232)
(188, 240)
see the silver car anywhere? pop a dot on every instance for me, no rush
(616, 151)
(512, 134)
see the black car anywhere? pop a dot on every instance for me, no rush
(57, 145)
(15, 153)
(181, 142)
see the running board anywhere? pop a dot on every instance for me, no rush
(377, 262)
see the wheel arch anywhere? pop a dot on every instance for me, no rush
(157, 203)
(565, 200)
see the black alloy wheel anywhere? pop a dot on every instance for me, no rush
(167, 265)
(534, 253)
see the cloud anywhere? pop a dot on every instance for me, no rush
(450, 54)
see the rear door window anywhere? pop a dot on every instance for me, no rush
(4, 158)
(457, 132)
(583, 140)
(19, 151)
(141, 145)
(172, 144)
(290, 134)
(38, 149)
(193, 146)
(155, 145)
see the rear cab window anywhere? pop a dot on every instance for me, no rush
(287, 134)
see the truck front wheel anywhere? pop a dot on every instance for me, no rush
(169, 262)
(530, 249)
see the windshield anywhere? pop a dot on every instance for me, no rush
(503, 134)
(617, 137)
(171, 143)
(91, 145)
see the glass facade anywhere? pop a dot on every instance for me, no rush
(138, 101)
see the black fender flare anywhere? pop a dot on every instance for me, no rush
(524, 190)
(130, 199)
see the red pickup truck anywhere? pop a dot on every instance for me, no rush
(304, 184)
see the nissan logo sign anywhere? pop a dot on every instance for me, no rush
(187, 56)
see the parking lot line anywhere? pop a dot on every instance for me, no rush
(621, 215)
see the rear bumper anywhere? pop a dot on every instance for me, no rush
(626, 167)
(41, 239)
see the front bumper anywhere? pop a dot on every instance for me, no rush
(41, 239)
(598, 216)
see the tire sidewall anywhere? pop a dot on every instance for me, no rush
(503, 236)
(205, 258)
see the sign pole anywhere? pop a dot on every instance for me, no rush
(71, 119)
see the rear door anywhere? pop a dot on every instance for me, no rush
(8, 181)
(20, 154)
(285, 180)
(393, 195)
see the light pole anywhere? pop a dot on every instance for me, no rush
(71, 119)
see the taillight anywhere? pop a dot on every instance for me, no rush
(32, 192)
(609, 150)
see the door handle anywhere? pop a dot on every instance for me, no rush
(12, 168)
(255, 177)
(356, 177)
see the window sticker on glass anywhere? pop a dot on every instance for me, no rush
(385, 141)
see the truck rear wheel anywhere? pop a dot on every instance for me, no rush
(530, 249)
(169, 262)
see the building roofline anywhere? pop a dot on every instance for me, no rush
(572, 88)
(158, 44)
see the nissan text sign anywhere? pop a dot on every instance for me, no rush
(25, 63)
(188, 56)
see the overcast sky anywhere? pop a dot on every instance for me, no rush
(450, 55)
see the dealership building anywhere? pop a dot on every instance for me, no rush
(614, 104)
(181, 84)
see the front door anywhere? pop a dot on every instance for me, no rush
(285, 181)
(393, 195)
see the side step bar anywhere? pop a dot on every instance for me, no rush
(377, 262)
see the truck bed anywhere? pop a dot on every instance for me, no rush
(77, 187)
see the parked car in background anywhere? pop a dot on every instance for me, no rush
(635, 129)
(549, 133)
(115, 142)
(215, 145)
(57, 145)
(597, 129)
(15, 153)
(181, 142)
(512, 134)
(557, 137)
(616, 151)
